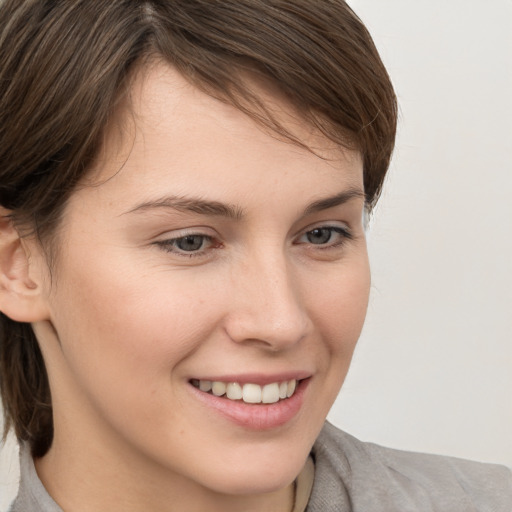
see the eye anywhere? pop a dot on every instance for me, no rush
(319, 235)
(193, 244)
(328, 236)
(190, 243)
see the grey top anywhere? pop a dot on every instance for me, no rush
(352, 476)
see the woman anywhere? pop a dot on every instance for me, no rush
(184, 268)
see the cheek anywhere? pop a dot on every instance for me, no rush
(340, 306)
(125, 326)
(339, 313)
(124, 343)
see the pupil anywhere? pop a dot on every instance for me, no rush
(319, 236)
(190, 243)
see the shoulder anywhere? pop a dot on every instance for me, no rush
(366, 476)
(32, 496)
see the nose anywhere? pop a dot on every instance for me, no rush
(267, 307)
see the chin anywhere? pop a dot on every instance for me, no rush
(259, 474)
(250, 482)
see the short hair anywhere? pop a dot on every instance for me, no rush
(65, 67)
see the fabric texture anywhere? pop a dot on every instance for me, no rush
(353, 476)
(32, 496)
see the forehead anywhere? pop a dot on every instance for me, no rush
(161, 99)
(173, 134)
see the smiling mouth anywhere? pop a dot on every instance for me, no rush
(248, 393)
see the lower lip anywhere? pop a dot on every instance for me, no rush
(256, 416)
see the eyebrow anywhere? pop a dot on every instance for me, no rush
(190, 204)
(337, 200)
(231, 211)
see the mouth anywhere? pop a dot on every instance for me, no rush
(248, 393)
(254, 406)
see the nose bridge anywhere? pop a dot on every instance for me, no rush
(268, 306)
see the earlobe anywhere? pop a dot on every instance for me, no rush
(21, 297)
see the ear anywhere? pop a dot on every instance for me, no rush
(21, 279)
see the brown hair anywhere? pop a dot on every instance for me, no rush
(65, 65)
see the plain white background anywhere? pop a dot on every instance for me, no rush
(433, 369)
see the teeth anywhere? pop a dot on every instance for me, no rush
(249, 393)
(292, 384)
(205, 385)
(270, 393)
(218, 388)
(234, 391)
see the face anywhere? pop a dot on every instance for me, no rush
(206, 250)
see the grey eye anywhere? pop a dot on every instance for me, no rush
(319, 236)
(190, 243)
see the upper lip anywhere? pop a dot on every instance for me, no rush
(256, 378)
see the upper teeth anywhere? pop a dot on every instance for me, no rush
(249, 393)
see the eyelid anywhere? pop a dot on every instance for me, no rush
(166, 242)
(341, 229)
(334, 224)
(188, 231)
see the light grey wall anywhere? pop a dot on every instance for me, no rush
(433, 370)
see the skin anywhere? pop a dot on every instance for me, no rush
(129, 319)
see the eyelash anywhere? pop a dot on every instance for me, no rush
(169, 245)
(344, 233)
